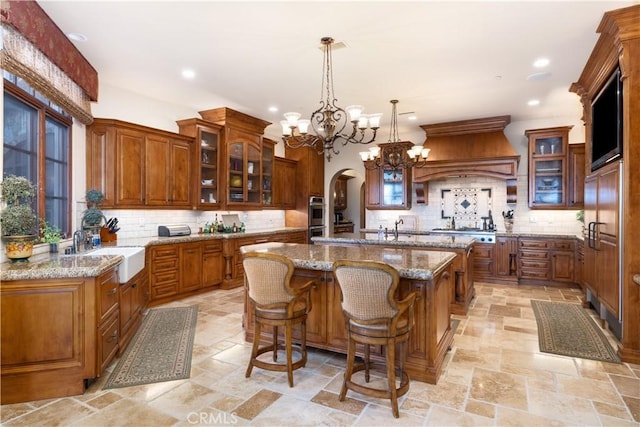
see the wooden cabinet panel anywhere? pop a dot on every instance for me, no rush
(340, 198)
(108, 334)
(284, 183)
(130, 168)
(386, 189)
(506, 253)
(107, 297)
(132, 304)
(309, 182)
(190, 267)
(576, 176)
(164, 271)
(483, 261)
(137, 166)
(212, 264)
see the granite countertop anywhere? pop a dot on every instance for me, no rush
(418, 240)
(47, 266)
(56, 266)
(410, 263)
(498, 234)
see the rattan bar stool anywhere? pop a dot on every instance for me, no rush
(374, 317)
(275, 303)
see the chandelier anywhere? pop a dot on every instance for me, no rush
(328, 121)
(396, 155)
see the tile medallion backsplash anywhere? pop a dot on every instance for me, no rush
(469, 206)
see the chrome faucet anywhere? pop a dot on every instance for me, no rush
(79, 241)
(395, 232)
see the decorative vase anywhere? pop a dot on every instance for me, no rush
(508, 225)
(19, 248)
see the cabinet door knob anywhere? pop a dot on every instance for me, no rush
(113, 291)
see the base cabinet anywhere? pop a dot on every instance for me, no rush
(55, 334)
(133, 298)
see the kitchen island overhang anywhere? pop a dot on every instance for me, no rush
(430, 273)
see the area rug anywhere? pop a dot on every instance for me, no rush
(160, 350)
(567, 329)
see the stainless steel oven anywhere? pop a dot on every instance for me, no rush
(316, 211)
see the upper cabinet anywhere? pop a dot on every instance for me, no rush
(268, 150)
(550, 184)
(208, 149)
(284, 183)
(137, 166)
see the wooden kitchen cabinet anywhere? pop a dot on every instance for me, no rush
(343, 228)
(484, 261)
(55, 334)
(506, 259)
(267, 172)
(242, 165)
(309, 182)
(576, 163)
(133, 299)
(386, 189)
(190, 267)
(138, 167)
(207, 158)
(556, 169)
(284, 183)
(163, 271)
(212, 264)
(544, 260)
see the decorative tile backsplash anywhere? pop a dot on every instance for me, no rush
(468, 205)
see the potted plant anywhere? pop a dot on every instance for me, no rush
(93, 217)
(50, 234)
(18, 221)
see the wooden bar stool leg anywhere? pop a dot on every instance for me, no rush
(391, 375)
(288, 337)
(303, 348)
(351, 355)
(254, 349)
(367, 361)
(275, 343)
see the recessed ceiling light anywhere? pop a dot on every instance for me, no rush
(188, 74)
(273, 109)
(412, 118)
(77, 37)
(533, 102)
(541, 62)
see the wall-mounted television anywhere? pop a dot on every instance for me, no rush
(606, 123)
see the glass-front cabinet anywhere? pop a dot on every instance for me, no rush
(387, 189)
(208, 154)
(268, 155)
(548, 167)
(244, 156)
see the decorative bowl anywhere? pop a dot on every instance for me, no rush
(207, 182)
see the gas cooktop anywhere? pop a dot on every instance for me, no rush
(484, 236)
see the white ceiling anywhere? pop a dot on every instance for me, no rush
(445, 60)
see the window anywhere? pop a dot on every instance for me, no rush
(37, 145)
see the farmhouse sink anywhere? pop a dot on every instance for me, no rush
(133, 260)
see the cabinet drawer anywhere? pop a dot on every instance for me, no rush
(534, 244)
(534, 263)
(164, 290)
(534, 274)
(108, 298)
(482, 252)
(164, 264)
(212, 247)
(164, 252)
(163, 278)
(564, 245)
(108, 336)
(525, 254)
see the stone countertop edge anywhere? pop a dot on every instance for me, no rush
(498, 234)
(58, 266)
(421, 241)
(414, 264)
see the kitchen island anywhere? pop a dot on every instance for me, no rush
(427, 272)
(462, 290)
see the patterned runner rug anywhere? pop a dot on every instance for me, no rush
(160, 350)
(567, 329)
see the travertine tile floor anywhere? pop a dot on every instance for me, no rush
(494, 376)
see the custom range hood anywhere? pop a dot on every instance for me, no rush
(475, 147)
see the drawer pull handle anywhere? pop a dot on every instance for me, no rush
(113, 291)
(113, 336)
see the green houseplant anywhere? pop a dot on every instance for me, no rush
(18, 221)
(93, 217)
(50, 234)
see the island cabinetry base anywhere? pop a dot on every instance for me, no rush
(431, 336)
